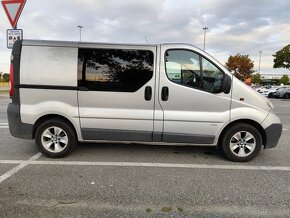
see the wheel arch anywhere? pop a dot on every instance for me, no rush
(52, 116)
(247, 121)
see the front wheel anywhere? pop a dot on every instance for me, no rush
(241, 142)
(55, 138)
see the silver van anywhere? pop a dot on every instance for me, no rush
(63, 93)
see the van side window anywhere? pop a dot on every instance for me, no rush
(190, 69)
(115, 70)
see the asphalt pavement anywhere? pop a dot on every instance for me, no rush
(134, 180)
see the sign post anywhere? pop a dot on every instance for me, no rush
(13, 9)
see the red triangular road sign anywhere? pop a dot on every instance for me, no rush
(13, 9)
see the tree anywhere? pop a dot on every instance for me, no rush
(284, 79)
(5, 77)
(256, 78)
(282, 58)
(241, 65)
(1, 74)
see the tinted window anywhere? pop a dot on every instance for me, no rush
(190, 69)
(114, 70)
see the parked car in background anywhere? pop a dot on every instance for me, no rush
(269, 93)
(272, 92)
(263, 88)
(282, 93)
(255, 87)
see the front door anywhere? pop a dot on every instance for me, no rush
(117, 89)
(194, 109)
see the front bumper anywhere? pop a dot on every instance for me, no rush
(273, 134)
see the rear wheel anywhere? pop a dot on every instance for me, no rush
(287, 96)
(241, 142)
(55, 138)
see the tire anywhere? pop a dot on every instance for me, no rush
(55, 138)
(247, 148)
(287, 96)
(270, 95)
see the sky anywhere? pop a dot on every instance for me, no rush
(234, 26)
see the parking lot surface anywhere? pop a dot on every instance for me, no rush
(111, 180)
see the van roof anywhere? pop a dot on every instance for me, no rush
(32, 42)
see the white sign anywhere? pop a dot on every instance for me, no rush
(13, 35)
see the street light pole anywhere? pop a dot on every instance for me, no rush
(260, 62)
(205, 29)
(80, 32)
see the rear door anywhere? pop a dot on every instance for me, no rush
(193, 107)
(117, 89)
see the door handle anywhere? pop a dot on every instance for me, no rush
(164, 93)
(148, 93)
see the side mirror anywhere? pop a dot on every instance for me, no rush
(226, 84)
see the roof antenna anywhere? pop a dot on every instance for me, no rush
(146, 40)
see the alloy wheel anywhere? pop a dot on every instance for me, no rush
(242, 144)
(54, 139)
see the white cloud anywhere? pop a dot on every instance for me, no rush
(234, 26)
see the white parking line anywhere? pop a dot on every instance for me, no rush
(284, 129)
(19, 167)
(163, 165)
(158, 165)
(4, 126)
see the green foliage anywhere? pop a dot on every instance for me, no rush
(148, 210)
(270, 82)
(5, 77)
(256, 78)
(241, 65)
(180, 209)
(284, 79)
(282, 58)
